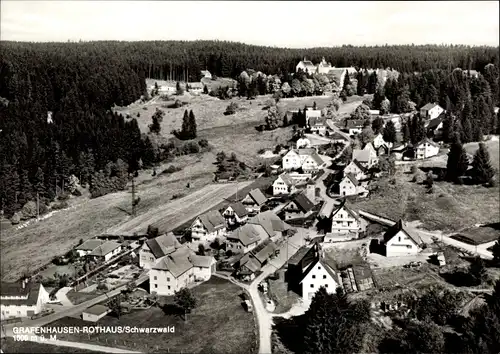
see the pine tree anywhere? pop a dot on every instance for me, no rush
(372, 83)
(378, 97)
(186, 128)
(457, 163)
(205, 89)
(389, 132)
(347, 84)
(466, 120)
(405, 129)
(39, 182)
(448, 124)
(149, 156)
(482, 119)
(192, 125)
(482, 169)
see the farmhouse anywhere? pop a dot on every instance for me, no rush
(324, 67)
(206, 74)
(379, 141)
(287, 183)
(299, 207)
(319, 274)
(306, 66)
(156, 248)
(349, 185)
(306, 159)
(21, 299)
(431, 111)
(167, 89)
(299, 263)
(366, 157)
(303, 143)
(208, 226)
(95, 313)
(354, 126)
(425, 149)
(318, 125)
(106, 251)
(246, 238)
(355, 168)
(254, 200)
(346, 220)
(88, 246)
(400, 241)
(236, 213)
(178, 270)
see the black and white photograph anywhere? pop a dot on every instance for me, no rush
(249, 177)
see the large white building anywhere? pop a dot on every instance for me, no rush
(346, 220)
(425, 149)
(306, 159)
(179, 270)
(399, 240)
(319, 274)
(156, 248)
(207, 227)
(22, 299)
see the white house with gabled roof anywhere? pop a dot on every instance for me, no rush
(346, 220)
(425, 149)
(357, 169)
(431, 111)
(319, 274)
(400, 240)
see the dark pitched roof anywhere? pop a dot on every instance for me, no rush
(303, 202)
(89, 245)
(337, 136)
(163, 245)
(105, 248)
(353, 179)
(299, 255)
(344, 206)
(97, 310)
(257, 196)
(354, 123)
(327, 267)
(400, 226)
(265, 252)
(15, 289)
(251, 263)
(212, 220)
(239, 209)
(359, 165)
(246, 234)
(434, 123)
(316, 158)
(270, 222)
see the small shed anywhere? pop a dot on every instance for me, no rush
(95, 313)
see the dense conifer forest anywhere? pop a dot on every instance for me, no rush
(56, 99)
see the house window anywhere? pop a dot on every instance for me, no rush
(326, 285)
(324, 276)
(312, 285)
(168, 287)
(156, 286)
(399, 239)
(154, 278)
(319, 267)
(18, 312)
(168, 279)
(314, 277)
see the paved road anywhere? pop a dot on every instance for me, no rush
(73, 311)
(264, 318)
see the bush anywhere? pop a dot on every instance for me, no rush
(177, 196)
(171, 169)
(61, 205)
(63, 196)
(16, 218)
(191, 148)
(102, 286)
(203, 143)
(231, 109)
(77, 193)
(145, 108)
(176, 104)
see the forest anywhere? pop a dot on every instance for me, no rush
(56, 99)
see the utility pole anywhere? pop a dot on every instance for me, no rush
(37, 206)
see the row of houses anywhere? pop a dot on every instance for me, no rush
(325, 68)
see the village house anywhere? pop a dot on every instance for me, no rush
(318, 125)
(303, 143)
(357, 169)
(349, 185)
(395, 119)
(354, 126)
(379, 141)
(366, 157)
(299, 263)
(179, 270)
(346, 220)
(245, 238)
(236, 213)
(287, 183)
(254, 260)
(319, 274)
(167, 89)
(95, 313)
(206, 74)
(156, 248)
(22, 299)
(106, 251)
(195, 87)
(399, 240)
(208, 226)
(425, 149)
(306, 159)
(306, 66)
(88, 246)
(312, 113)
(254, 200)
(301, 206)
(336, 137)
(434, 127)
(431, 111)
(324, 67)
(272, 224)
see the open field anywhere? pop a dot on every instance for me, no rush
(11, 346)
(493, 146)
(219, 324)
(27, 249)
(168, 216)
(450, 208)
(77, 297)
